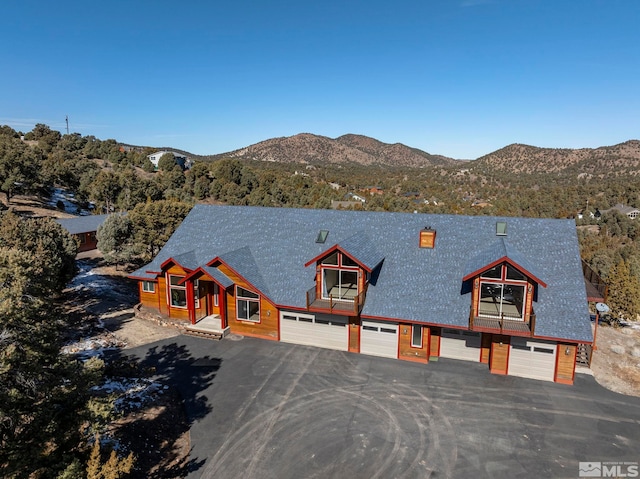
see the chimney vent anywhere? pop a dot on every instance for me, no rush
(427, 237)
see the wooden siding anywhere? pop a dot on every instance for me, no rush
(173, 312)
(434, 342)
(499, 360)
(565, 363)
(485, 352)
(475, 296)
(408, 352)
(86, 241)
(354, 334)
(529, 301)
(266, 328)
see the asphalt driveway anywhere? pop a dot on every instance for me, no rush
(263, 409)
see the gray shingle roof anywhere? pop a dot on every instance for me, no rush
(219, 276)
(496, 251)
(82, 224)
(270, 246)
(362, 248)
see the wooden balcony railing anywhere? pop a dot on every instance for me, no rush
(597, 289)
(335, 306)
(503, 325)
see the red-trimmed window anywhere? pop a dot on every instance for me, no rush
(247, 305)
(148, 287)
(177, 292)
(503, 293)
(416, 336)
(339, 277)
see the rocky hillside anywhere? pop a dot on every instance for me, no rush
(623, 159)
(315, 149)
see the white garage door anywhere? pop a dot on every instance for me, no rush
(532, 359)
(320, 330)
(378, 338)
(458, 344)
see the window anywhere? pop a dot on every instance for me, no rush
(339, 277)
(331, 259)
(177, 292)
(416, 336)
(83, 238)
(322, 236)
(196, 292)
(247, 305)
(502, 293)
(216, 294)
(148, 287)
(339, 284)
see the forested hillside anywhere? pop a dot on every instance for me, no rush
(43, 401)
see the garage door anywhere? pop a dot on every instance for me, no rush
(323, 331)
(458, 344)
(532, 359)
(378, 338)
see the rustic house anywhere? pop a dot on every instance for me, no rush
(83, 229)
(505, 292)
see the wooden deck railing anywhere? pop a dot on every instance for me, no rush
(595, 281)
(503, 325)
(332, 305)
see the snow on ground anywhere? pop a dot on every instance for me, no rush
(630, 324)
(133, 393)
(68, 200)
(102, 287)
(93, 346)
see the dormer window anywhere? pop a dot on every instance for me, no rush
(339, 277)
(502, 293)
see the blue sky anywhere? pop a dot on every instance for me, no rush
(459, 78)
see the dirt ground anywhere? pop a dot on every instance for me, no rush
(616, 360)
(99, 302)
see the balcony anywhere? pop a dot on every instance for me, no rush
(503, 325)
(597, 289)
(351, 307)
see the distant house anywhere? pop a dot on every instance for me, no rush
(183, 161)
(354, 197)
(83, 229)
(411, 194)
(374, 190)
(334, 186)
(629, 211)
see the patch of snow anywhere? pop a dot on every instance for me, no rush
(94, 346)
(88, 279)
(68, 200)
(133, 393)
(630, 324)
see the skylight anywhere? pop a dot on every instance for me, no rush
(501, 228)
(322, 236)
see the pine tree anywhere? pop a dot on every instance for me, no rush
(624, 292)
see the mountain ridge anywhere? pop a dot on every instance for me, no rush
(516, 158)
